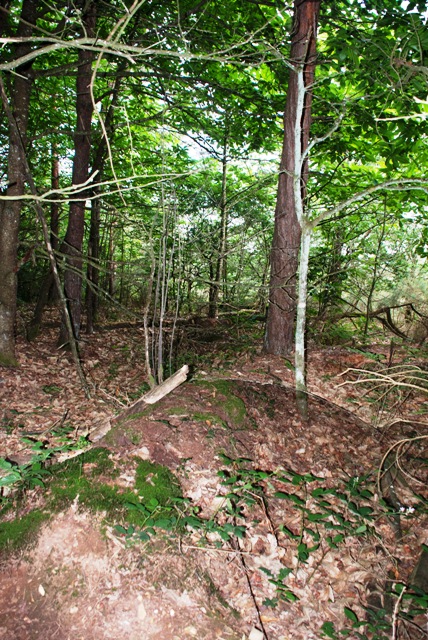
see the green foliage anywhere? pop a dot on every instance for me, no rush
(283, 592)
(329, 514)
(156, 482)
(34, 473)
(408, 603)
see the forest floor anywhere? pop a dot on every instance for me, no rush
(282, 528)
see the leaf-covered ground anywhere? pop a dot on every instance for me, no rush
(281, 530)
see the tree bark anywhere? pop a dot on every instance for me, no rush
(73, 241)
(292, 181)
(100, 155)
(10, 210)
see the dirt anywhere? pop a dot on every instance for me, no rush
(81, 579)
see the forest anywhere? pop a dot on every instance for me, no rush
(213, 319)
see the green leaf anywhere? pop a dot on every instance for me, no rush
(193, 522)
(4, 464)
(297, 479)
(120, 529)
(284, 572)
(288, 533)
(11, 478)
(351, 615)
(316, 517)
(289, 496)
(329, 630)
(144, 536)
(287, 594)
(302, 552)
(361, 529)
(164, 523)
(270, 602)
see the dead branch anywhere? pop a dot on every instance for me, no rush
(152, 396)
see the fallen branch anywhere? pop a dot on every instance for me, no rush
(152, 396)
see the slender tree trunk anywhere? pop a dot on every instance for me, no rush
(111, 265)
(292, 181)
(82, 147)
(376, 265)
(48, 290)
(55, 213)
(10, 210)
(220, 273)
(54, 234)
(93, 272)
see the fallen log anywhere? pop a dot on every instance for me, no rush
(152, 396)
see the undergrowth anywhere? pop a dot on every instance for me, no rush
(329, 516)
(89, 478)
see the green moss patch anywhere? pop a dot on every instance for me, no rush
(210, 418)
(153, 481)
(21, 531)
(91, 478)
(234, 406)
(81, 477)
(228, 407)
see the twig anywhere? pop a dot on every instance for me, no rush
(250, 589)
(391, 448)
(219, 550)
(395, 614)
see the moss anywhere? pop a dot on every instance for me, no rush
(21, 531)
(153, 481)
(133, 434)
(178, 411)
(138, 414)
(94, 496)
(234, 406)
(90, 477)
(210, 418)
(8, 361)
(92, 463)
(78, 477)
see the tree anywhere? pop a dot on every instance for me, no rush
(73, 242)
(10, 208)
(293, 176)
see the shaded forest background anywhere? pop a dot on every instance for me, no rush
(140, 151)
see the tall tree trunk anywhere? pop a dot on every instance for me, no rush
(73, 241)
(292, 181)
(10, 210)
(100, 155)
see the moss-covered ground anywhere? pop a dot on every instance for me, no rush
(91, 478)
